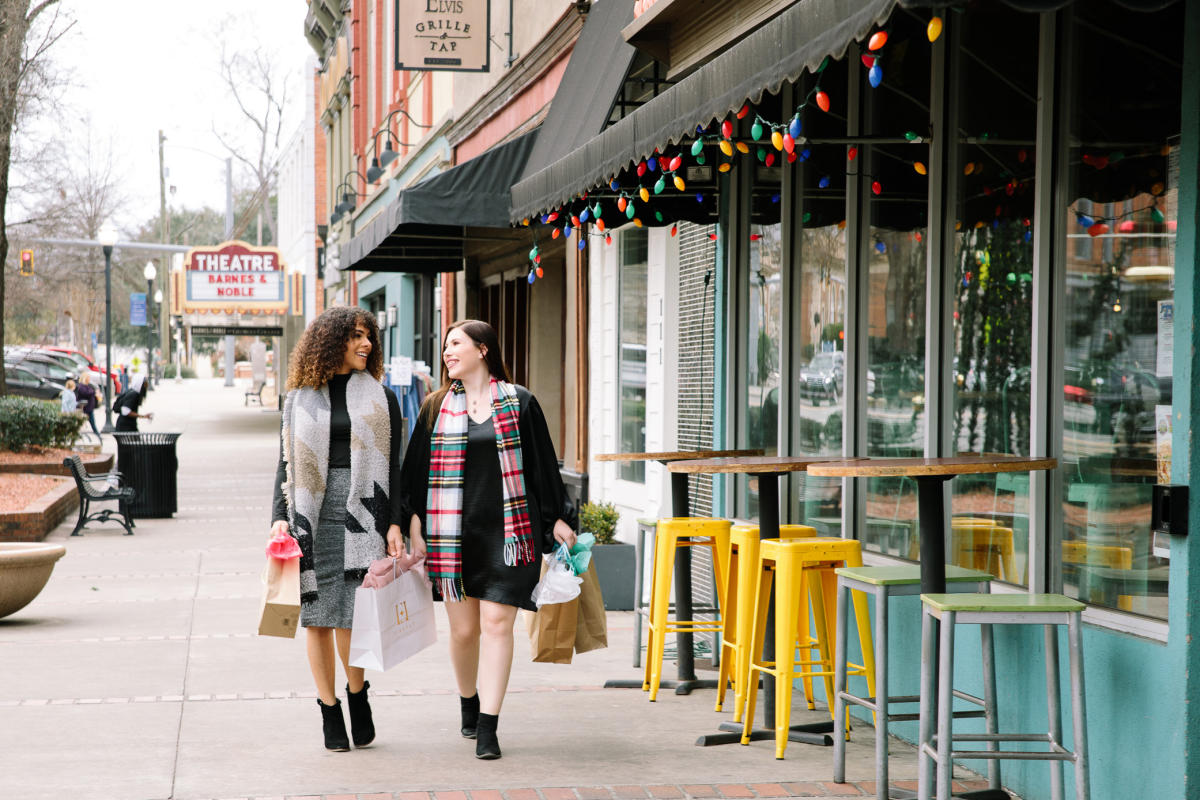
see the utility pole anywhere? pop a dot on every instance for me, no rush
(163, 319)
(229, 356)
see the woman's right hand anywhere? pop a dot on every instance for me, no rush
(280, 527)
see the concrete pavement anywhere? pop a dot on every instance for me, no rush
(136, 675)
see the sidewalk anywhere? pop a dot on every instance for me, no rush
(135, 675)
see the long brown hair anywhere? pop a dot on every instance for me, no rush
(484, 335)
(321, 350)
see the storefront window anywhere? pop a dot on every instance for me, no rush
(1118, 306)
(632, 354)
(993, 286)
(894, 178)
(763, 342)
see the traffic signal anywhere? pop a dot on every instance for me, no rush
(26, 262)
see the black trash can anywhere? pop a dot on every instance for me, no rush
(148, 463)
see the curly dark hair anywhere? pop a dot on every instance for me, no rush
(321, 350)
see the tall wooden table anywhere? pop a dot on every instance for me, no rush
(685, 660)
(931, 475)
(767, 469)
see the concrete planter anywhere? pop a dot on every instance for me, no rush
(614, 565)
(24, 569)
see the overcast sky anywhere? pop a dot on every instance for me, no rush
(145, 65)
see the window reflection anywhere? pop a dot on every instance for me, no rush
(898, 193)
(763, 342)
(1120, 246)
(993, 288)
(632, 311)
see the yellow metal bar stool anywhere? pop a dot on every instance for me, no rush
(671, 535)
(738, 610)
(797, 567)
(884, 583)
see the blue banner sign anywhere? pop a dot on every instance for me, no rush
(137, 308)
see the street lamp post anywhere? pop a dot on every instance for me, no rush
(108, 238)
(150, 272)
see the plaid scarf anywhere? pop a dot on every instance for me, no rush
(447, 463)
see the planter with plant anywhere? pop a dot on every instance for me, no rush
(613, 560)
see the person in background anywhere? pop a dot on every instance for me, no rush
(482, 487)
(340, 502)
(128, 404)
(88, 399)
(67, 397)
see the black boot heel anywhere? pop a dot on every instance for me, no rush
(334, 726)
(487, 746)
(470, 715)
(362, 725)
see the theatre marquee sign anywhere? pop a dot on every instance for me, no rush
(442, 35)
(235, 276)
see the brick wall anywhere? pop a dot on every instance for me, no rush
(41, 517)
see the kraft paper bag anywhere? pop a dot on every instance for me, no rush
(392, 623)
(591, 627)
(280, 613)
(552, 632)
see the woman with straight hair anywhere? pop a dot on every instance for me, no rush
(336, 493)
(482, 486)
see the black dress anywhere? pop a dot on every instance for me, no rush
(485, 575)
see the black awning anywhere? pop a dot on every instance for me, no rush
(760, 63)
(423, 229)
(589, 86)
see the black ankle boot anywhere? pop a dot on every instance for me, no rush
(334, 726)
(362, 726)
(470, 714)
(486, 744)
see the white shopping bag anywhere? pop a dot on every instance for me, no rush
(392, 623)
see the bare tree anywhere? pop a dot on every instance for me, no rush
(260, 94)
(20, 60)
(81, 189)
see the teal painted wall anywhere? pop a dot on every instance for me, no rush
(399, 292)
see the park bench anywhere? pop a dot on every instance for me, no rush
(255, 392)
(98, 490)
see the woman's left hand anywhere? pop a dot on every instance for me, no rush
(564, 534)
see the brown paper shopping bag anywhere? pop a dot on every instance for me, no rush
(281, 598)
(552, 632)
(591, 627)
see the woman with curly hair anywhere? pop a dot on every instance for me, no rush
(481, 480)
(340, 502)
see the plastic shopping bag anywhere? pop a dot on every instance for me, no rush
(393, 622)
(559, 583)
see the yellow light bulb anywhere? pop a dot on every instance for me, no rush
(679, 184)
(725, 168)
(726, 147)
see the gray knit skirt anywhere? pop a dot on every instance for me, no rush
(334, 606)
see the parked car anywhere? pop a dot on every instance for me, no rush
(22, 382)
(823, 376)
(85, 361)
(41, 365)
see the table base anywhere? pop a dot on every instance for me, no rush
(818, 733)
(680, 686)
